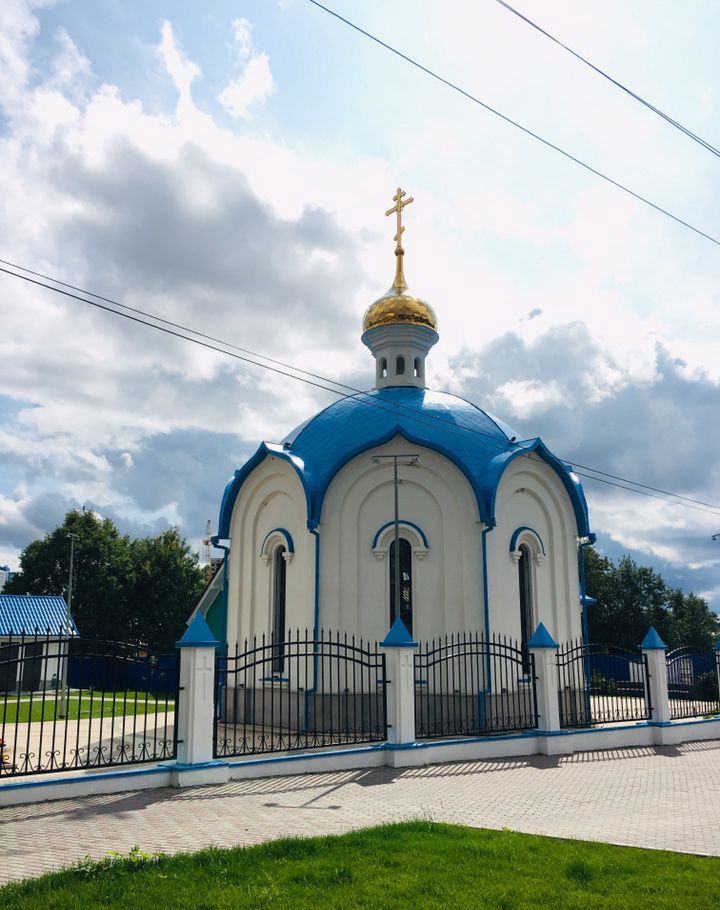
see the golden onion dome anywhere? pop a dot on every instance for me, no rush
(399, 307)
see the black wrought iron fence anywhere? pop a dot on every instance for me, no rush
(600, 684)
(74, 703)
(303, 692)
(692, 683)
(468, 685)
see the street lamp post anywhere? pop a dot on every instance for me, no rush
(411, 461)
(68, 619)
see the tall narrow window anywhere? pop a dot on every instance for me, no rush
(400, 366)
(406, 606)
(418, 368)
(383, 368)
(278, 618)
(526, 598)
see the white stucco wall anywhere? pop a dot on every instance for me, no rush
(447, 580)
(531, 494)
(447, 577)
(271, 497)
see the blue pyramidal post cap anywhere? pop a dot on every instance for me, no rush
(398, 637)
(652, 641)
(541, 638)
(198, 634)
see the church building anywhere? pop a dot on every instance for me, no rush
(400, 497)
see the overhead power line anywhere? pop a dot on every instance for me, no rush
(528, 132)
(656, 110)
(184, 333)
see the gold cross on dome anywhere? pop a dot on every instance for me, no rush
(400, 203)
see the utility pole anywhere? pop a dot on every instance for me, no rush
(68, 620)
(411, 461)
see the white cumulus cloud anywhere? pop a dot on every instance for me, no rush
(255, 83)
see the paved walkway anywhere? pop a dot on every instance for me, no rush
(664, 798)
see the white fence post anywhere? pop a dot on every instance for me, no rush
(400, 683)
(717, 662)
(544, 649)
(196, 708)
(654, 648)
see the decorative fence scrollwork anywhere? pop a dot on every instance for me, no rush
(601, 684)
(68, 704)
(303, 692)
(468, 685)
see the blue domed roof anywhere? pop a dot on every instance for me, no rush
(480, 445)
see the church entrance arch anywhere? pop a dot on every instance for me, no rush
(406, 593)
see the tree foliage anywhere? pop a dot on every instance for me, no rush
(631, 598)
(140, 590)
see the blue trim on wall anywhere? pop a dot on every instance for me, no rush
(486, 616)
(584, 599)
(105, 775)
(397, 430)
(285, 533)
(215, 541)
(574, 488)
(408, 524)
(518, 531)
(483, 481)
(232, 488)
(316, 625)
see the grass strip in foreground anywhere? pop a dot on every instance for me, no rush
(411, 865)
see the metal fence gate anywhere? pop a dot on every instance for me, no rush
(67, 704)
(601, 684)
(302, 692)
(692, 683)
(467, 685)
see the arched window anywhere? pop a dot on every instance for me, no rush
(406, 598)
(527, 608)
(278, 607)
(383, 368)
(400, 366)
(418, 368)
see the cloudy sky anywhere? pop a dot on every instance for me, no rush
(229, 169)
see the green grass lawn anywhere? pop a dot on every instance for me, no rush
(411, 865)
(80, 706)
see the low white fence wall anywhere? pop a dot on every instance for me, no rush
(195, 764)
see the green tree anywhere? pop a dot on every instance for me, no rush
(101, 570)
(694, 624)
(139, 591)
(167, 584)
(631, 598)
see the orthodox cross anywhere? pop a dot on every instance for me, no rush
(400, 204)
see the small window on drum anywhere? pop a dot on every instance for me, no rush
(418, 368)
(383, 368)
(400, 366)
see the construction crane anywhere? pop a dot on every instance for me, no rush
(207, 545)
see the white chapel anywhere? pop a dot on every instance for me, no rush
(490, 527)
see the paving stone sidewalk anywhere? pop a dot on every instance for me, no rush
(664, 798)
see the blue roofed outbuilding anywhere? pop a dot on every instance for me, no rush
(34, 614)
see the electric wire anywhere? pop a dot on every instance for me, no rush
(546, 142)
(175, 329)
(169, 322)
(671, 120)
